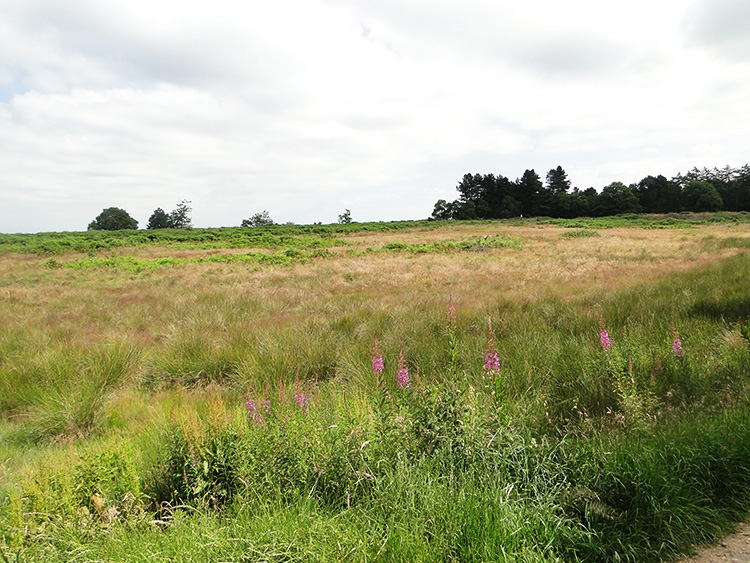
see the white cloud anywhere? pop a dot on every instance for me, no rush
(308, 107)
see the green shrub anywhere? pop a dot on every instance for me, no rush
(581, 233)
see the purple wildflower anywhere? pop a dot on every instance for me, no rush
(492, 363)
(267, 406)
(676, 343)
(252, 412)
(377, 358)
(491, 357)
(402, 375)
(604, 336)
(302, 400)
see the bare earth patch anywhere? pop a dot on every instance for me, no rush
(735, 547)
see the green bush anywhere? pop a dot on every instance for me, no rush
(581, 233)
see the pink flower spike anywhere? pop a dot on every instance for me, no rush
(492, 363)
(450, 315)
(302, 401)
(676, 343)
(491, 357)
(604, 335)
(377, 358)
(402, 376)
(252, 412)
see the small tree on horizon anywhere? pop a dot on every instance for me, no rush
(158, 220)
(346, 217)
(113, 219)
(178, 218)
(258, 220)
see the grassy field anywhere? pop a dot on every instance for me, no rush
(549, 391)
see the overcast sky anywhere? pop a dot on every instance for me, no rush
(305, 108)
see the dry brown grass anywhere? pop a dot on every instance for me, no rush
(84, 306)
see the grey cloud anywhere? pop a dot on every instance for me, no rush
(721, 25)
(93, 45)
(493, 35)
(572, 56)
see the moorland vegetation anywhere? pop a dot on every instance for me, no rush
(531, 390)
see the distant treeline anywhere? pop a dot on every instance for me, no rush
(496, 197)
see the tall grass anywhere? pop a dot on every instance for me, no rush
(64, 391)
(235, 413)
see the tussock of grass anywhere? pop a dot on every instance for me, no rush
(581, 233)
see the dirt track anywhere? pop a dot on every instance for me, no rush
(735, 548)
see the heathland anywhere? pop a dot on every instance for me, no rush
(521, 390)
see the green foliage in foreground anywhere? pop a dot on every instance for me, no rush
(326, 483)
(568, 452)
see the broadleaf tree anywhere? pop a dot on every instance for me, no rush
(346, 217)
(159, 220)
(178, 218)
(258, 220)
(113, 219)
